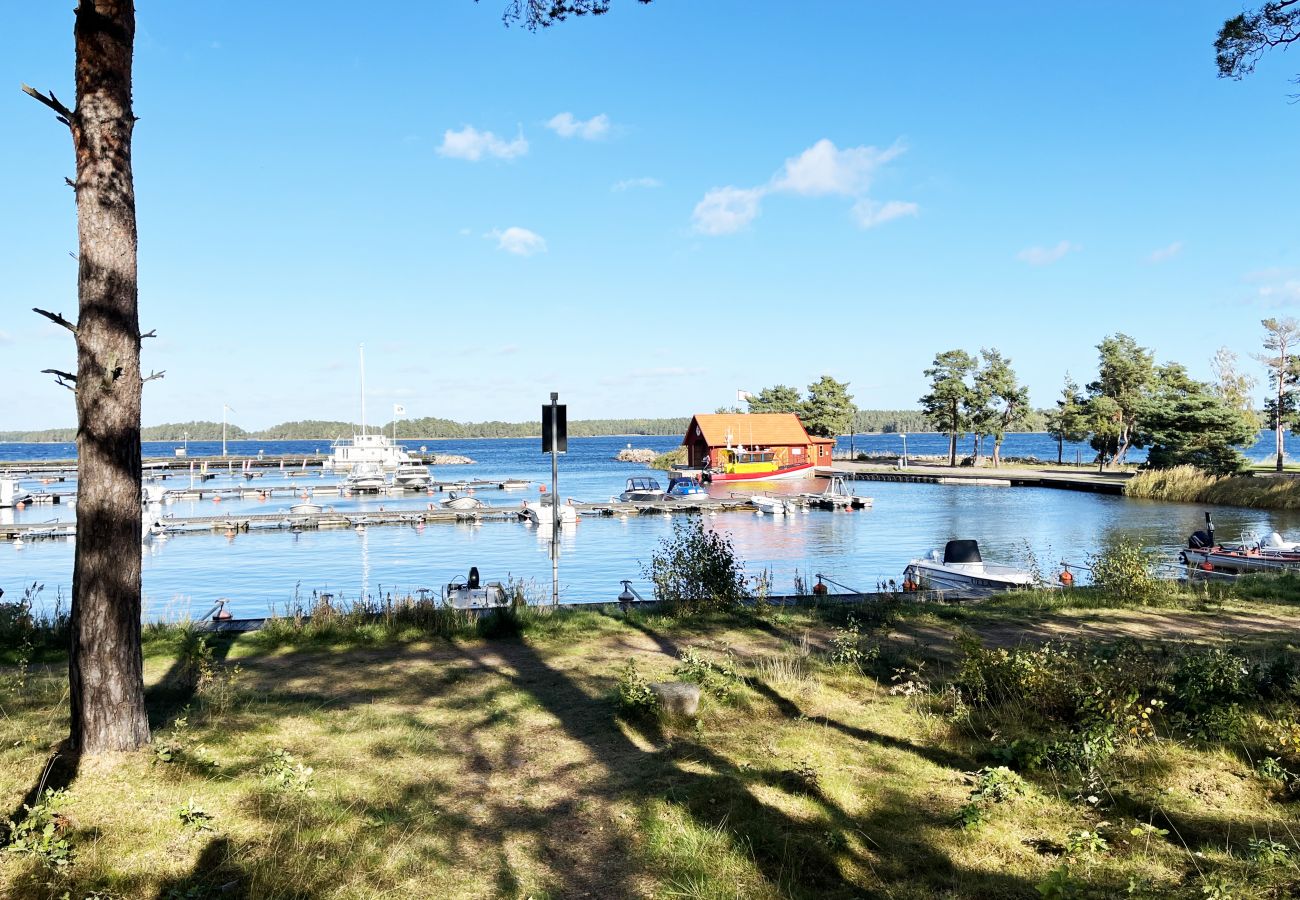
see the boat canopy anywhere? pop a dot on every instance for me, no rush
(643, 484)
(962, 552)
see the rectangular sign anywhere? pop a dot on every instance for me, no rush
(561, 428)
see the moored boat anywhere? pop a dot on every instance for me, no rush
(412, 476)
(461, 501)
(543, 513)
(642, 490)
(365, 478)
(960, 568)
(471, 594)
(685, 489)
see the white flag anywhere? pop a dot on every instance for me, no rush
(742, 396)
(398, 409)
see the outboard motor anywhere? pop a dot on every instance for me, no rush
(1199, 540)
(472, 581)
(1209, 527)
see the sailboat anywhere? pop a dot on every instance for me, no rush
(364, 447)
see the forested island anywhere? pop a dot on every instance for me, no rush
(865, 421)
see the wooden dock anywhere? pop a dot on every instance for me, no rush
(243, 522)
(1092, 482)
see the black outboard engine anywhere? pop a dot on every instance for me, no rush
(962, 552)
(472, 581)
(1199, 540)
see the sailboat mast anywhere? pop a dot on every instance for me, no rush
(363, 388)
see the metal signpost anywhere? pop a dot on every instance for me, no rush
(555, 440)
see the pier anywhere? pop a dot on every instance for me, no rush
(1008, 476)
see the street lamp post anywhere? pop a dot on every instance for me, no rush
(903, 434)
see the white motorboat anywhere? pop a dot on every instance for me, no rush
(837, 496)
(412, 476)
(306, 509)
(461, 501)
(642, 490)
(773, 506)
(470, 594)
(961, 569)
(514, 484)
(365, 478)
(543, 513)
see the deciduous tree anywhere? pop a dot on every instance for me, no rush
(946, 403)
(1281, 341)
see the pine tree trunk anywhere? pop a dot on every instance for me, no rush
(105, 666)
(1277, 422)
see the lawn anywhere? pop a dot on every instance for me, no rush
(928, 753)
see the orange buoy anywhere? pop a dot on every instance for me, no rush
(1207, 566)
(819, 589)
(216, 498)
(20, 505)
(1067, 577)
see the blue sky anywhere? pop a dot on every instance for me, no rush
(650, 210)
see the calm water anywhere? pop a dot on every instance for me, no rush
(260, 571)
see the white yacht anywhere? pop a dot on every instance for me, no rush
(961, 569)
(365, 478)
(412, 476)
(470, 594)
(369, 448)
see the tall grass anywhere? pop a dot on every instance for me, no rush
(1188, 484)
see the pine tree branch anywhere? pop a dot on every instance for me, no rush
(56, 318)
(62, 378)
(65, 115)
(149, 334)
(153, 376)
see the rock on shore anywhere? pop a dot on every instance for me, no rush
(627, 454)
(448, 459)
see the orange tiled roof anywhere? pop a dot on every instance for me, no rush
(752, 430)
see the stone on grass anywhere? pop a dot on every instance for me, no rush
(678, 698)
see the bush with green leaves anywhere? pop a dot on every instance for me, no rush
(41, 833)
(635, 698)
(286, 773)
(1124, 573)
(992, 785)
(192, 815)
(718, 677)
(696, 570)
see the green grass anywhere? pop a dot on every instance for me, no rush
(459, 765)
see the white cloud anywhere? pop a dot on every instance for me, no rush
(1283, 293)
(821, 170)
(519, 241)
(1164, 254)
(1043, 256)
(825, 169)
(566, 126)
(628, 183)
(472, 144)
(869, 213)
(6, 337)
(727, 210)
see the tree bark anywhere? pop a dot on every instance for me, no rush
(1281, 392)
(105, 664)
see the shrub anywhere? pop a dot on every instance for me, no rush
(696, 570)
(1123, 572)
(41, 832)
(992, 785)
(285, 773)
(635, 698)
(718, 678)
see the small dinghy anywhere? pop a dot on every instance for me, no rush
(471, 594)
(459, 501)
(962, 570)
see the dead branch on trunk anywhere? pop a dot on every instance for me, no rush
(153, 375)
(62, 378)
(65, 115)
(56, 318)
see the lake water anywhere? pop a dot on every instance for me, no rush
(185, 574)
